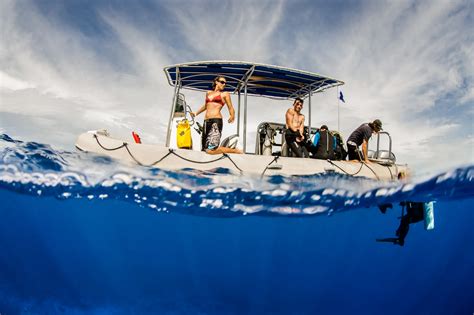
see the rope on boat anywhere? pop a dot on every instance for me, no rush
(154, 163)
(170, 151)
(275, 159)
(366, 164)
(390, 171)
(224, 156)
(109, 149)
(361, 165)
(227, 156)
(344, 171)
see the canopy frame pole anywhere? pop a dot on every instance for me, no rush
(245, 81)
(338, 111)
(245, 117)
(175, 97)
(238, 113)
(309, 112)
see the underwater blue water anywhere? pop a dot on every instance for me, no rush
(82, 234)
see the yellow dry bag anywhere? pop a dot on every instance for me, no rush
(183, 135)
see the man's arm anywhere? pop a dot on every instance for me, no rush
(364, 150)
(302, 126)
(228, 101)
(200, 110)
(289, 119)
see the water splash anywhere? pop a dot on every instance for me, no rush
(38, 169)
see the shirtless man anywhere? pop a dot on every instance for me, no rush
(295, 129)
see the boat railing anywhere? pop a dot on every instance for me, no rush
(382, 156)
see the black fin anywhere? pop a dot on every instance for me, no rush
(383, 207)
(394, 240)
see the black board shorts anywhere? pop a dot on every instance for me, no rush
(211, 136)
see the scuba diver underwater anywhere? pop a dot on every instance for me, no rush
(415, 212)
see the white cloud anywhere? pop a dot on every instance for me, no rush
(241, 30)
(8, 82)
(403, 62)
(399, 60)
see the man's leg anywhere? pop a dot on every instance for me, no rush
(353, 153)
(204, 136)
(402, 230)
(305, 152)
(295, 148)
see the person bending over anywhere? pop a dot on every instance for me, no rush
(360, 137)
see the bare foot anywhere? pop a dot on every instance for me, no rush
(222, 150)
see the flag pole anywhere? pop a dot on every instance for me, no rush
(338, 117)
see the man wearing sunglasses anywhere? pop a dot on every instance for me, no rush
(294, 133)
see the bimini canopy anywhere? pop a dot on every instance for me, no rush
(260, 79)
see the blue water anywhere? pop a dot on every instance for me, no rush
(83, 234)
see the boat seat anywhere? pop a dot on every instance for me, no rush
(230, 141)
(386, 155)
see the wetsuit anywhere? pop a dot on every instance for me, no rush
(357, 137)
(297, 148)
(415, 213)
(324, 145)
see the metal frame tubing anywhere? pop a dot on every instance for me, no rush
(238, 114)
(170, 121)
(245, 117)
(309, 113)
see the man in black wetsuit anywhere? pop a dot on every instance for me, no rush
(324, 144)
(360, 137)
(415, 213)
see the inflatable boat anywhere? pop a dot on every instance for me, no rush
(271, 156)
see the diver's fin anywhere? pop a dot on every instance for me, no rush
(383, 207)
(394, 240)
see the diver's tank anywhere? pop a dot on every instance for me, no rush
(267, 143)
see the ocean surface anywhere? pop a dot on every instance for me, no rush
(84, 234)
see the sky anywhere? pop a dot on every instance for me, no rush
(71, 66)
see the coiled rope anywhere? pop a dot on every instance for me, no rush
(170, 152)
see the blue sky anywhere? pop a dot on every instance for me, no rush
(71, 66)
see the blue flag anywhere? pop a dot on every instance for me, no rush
(341, 97)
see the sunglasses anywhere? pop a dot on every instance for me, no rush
(222, 82)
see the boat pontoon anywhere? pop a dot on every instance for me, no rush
(271, 156)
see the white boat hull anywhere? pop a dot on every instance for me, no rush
(176, 159)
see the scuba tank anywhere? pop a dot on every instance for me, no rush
(183, 135)
(268, 141)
